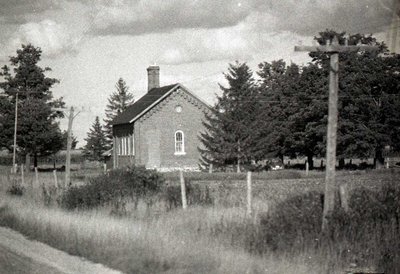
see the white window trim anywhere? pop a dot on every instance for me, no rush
(183, 152)
(125, 146)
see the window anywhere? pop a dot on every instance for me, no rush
(179, 143)
(126, 145)
(178, 108)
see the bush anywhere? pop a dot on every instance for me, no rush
(114, 187)
(297, 218)
(370, 228)
(369, 207)
(16, 189)
(195, 195)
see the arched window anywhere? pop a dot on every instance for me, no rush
(179, 142)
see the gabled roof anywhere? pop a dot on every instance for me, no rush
(148, 101)
(152, 96)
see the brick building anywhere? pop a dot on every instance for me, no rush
(160, 130)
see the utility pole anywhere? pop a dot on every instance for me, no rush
(15, 132)
(71, 118)
(69, 144)
(330, 182)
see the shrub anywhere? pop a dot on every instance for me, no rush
(114, 187)
(370, 228)
(16, 189)
(195, 195)
(297, 218)
(369, 208)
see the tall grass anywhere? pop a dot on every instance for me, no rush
(178, 242)
(218, 238)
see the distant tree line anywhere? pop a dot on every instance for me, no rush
(284, 112)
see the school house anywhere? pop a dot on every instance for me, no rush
(160, 130)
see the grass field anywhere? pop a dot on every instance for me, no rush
(203, 239)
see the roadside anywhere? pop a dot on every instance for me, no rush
(21, 255)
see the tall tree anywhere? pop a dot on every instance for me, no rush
(368, 93)
(278, 85)
(118, 101)
(6, 123)
(308, 121)
(95, 142)
(230, 137)
(38, 133)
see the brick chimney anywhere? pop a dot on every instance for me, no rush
(153, 77)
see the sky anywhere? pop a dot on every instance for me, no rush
(90, 44)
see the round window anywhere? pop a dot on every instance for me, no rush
(178, 109)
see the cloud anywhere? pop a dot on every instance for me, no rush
(14, 12)
(308, 17)
(54, 39)
(138, 17)
(201, 45)
(301, 16)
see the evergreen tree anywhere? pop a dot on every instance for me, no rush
(38, 133)
(308, 120)
(95, 142)
(277, 87)
(118, 101)
(230, 137)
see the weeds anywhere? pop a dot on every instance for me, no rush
(215, 235)
(134, 183)
(16, 190)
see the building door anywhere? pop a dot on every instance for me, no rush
(153, 149)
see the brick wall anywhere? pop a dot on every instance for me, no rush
(155, 133)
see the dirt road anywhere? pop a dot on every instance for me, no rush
(22, 256)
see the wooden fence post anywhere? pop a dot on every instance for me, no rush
(22, 175)
(307, 168)
(344, 197)
(36, 177)
(210, 169)
(249, 193)
(55, 179)
(105, 168)
(183, 189)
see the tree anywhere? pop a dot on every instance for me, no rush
(65, 137)
(118, 101)
(95, 142)
(230, 137)
(278, 85)
(38, 133)
(309, 118)
(368, 96)
(296, 103)
(6, 123)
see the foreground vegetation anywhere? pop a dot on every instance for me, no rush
(283, 235)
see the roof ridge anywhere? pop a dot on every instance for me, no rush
(142, 104)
